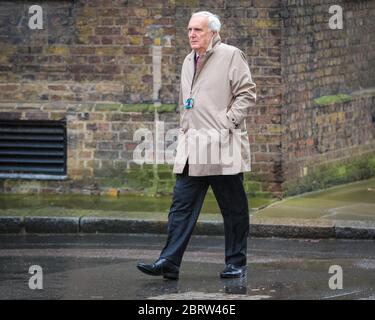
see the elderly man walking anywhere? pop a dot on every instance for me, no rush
(216, 94)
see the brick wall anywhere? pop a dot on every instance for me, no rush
(103, 51)
(95, 59)
(318, 62)
(87, 51)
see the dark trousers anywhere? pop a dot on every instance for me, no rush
(188, 196)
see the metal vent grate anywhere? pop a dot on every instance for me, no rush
(33, 149)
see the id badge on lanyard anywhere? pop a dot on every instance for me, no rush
(188, 104)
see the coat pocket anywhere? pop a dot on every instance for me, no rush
(227, 123)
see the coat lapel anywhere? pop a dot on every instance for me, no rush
(215, 41)
(190, 68)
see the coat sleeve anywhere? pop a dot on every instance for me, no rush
(243, 89)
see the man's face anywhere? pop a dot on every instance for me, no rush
(199, 34)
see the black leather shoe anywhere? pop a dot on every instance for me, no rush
(232, 271)
(161, 267)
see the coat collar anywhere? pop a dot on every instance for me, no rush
(210, 50)
(216, 40)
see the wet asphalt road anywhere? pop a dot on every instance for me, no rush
(103, 267)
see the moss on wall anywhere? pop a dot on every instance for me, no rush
(135, 107)
(327, 100)
(327, 175)
(147, 179)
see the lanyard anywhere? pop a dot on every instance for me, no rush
(189, 103)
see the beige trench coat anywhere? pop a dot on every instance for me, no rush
(212, 135)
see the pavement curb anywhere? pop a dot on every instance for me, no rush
(355, 229)
(121, 225)
(50, 224)
(281, 228)
(11, 224)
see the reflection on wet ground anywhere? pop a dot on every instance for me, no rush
(103, 267)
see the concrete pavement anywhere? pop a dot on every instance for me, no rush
(343, 212)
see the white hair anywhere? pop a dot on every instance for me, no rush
(214, 23)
